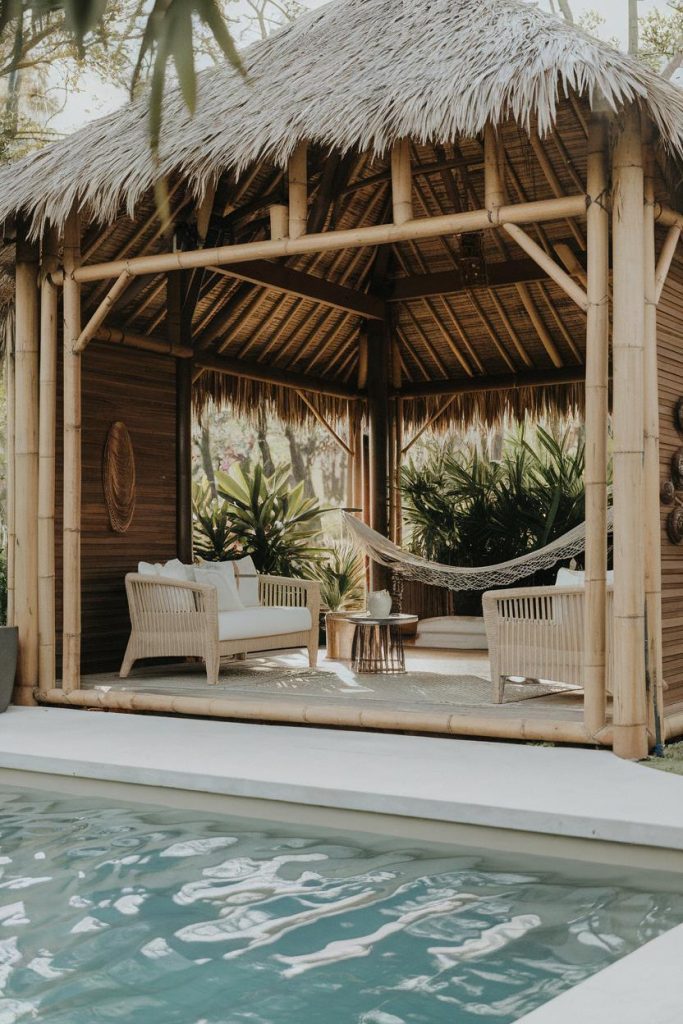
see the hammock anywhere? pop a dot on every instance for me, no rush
(413, 567)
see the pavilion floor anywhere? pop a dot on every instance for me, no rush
(438, 687)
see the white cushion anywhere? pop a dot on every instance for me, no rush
(247, 582)
(577, 577)
(452, 624)
(149, 568)
(175, 570)
(228, 598)
(255, 622)
(224, 567)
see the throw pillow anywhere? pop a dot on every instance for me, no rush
(228, 598)
(247, 582)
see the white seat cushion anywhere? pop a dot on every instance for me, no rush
(454, 624)
(255, 622)
(577, 577)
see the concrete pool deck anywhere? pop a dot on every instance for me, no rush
(460, 789)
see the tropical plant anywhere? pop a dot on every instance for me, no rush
(465, 508)
(341, 576)
(259, 515)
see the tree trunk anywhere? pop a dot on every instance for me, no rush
(264, 447)
(207, 461)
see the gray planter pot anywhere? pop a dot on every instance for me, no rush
(8, 664)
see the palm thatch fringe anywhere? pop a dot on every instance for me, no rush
(375, 71)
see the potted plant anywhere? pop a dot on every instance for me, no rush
(342, 590)
(8, 644)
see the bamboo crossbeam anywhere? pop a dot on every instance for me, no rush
(553, 180)
(596, 416)
(323, 423)
(147, 343)
(49, 296)
(630, 709)
(572, 263)
(100, 314)
(665, 260)
(352, 238)
(425, 426)
(502, 382)
(273, 375)
(71, 543)
(558, 275)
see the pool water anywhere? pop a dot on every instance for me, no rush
(137, 914)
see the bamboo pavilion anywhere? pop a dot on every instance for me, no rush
(420, 213)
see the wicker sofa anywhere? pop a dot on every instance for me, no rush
(178, 618)
(537, 633)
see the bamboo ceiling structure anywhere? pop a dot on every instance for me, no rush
(402, 216)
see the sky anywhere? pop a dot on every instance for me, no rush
(96, 98)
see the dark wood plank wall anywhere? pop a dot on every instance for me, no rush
(139, 389)
(670, 356)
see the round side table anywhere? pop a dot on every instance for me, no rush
(378, 644)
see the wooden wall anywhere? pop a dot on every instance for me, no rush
(670, 357)
(139, 389)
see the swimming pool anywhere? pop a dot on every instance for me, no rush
(168, 917)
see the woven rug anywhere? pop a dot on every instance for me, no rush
(261, 677)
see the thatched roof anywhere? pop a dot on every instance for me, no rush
(352, 75)
(350, 78)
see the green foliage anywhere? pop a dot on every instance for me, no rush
(465, 508)
(258, 515)
(342, 579)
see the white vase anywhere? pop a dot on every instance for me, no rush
(379, 604)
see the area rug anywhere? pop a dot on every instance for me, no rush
(263, 678)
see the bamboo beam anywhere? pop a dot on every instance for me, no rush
(283, 279)
(630, 712)
(274, 375)
(100, 314)
(442, 722)
(26, 466)
(666, 258)
(540, 328)
(572, 262)
(450, 282)
(558, 275)
(298, 191)
(49, 296)
(401, 182)
(323, 423)
(596, 416)
(553, 180)
(71, 545)
(652, 533)
(147, 343)
(329, 241)
(502, 382)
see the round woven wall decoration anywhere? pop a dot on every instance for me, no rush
(667, 493)
(674, 525)
(118, 477)
(678, 415)
(677, 468)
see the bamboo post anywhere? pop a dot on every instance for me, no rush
(11, 490)
(26, 466)
(652, 536)
(597, 410)
(379, 422)
(176, 329)
(401, 182)
(630, 709)
(494, 165)
(71, 548)
(46, 478)
(298, 191)
(279, 221)
(357, 462)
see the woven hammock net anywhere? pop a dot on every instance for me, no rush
(413, 567)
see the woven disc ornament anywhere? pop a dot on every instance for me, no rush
(674, 525)
(667, 493)
(118, 477)
(677, 468)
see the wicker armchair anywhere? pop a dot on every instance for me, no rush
(537, 633)
(178, 619)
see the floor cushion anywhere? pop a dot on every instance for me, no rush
(457, 632)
